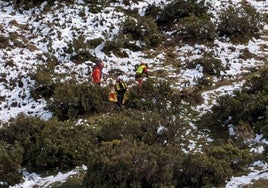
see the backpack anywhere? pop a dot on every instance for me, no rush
(121, 86)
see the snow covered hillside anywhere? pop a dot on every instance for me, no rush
(28, 38)
(35, 32)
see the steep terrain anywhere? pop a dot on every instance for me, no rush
(34, 37)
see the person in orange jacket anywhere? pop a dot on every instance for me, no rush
(97, 73)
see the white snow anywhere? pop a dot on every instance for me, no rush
(69, 26)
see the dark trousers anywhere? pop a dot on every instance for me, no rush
(120, 97)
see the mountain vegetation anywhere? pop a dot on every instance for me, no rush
(144, 144)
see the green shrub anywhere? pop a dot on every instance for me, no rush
(25, 131)
(114, 46)
(95, 42)
(63, 144)
(80, 49)
(4, 42)
(248, 107)
(210, 65)
(22, 130)
(120, 125)
(214, 166)
(153, 11)
(142, 29)
(122, 163)
(227, 111)
(236, 158)
(75, 180)
(196, 29)
(179, 9)
(49, 144)
(264, 129)
(43, 77)
(71, 99)
(26, 4)
(10, 163)
(153, 95)
(139, 126)
(239, 23)
(96, 5)
(258, 83)
(129, 2)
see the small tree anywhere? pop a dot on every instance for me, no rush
(239, 23)
(71, 99)
(196, 29)
(44, 144)
(126, 163)
(10, 163)
(214, 166)
(179, 9)
(142, 29)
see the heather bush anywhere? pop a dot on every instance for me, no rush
(96, 5)
(114, 46)
(10, 163)
(71, 99)
(22, 130)
(126, 163)
(195, 29)
(146, 127)
(246, 108)
(258, 83)
(63, 144)
(48, 144)
(43, 77)
(177, 10)
(239, 23)
(154, 95)
(4, 42)
(264, 129)
(79, 49)
(142, 29)
(26, 4)
(135, 149)
(125, 157)
(210, 168)
(153, 11)
(95, 42)
(228, 110)
(209, 65)
(158, 96)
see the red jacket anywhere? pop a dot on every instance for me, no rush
(96, 75)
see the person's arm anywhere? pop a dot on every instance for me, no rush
(116, 87)
(146, 71)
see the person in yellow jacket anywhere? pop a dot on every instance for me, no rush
(140, 71)
(120, 89)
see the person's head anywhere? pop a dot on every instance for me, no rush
(100, 64)
(119, 79)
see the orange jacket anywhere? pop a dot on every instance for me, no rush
(96, 74)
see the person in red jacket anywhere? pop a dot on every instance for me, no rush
(97, 73)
